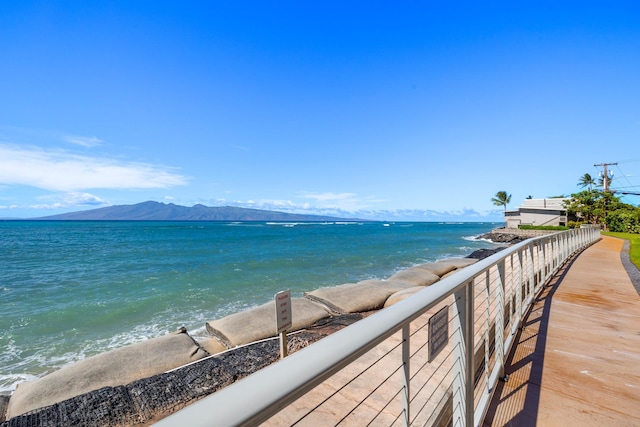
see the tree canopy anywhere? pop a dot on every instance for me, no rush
(587, 180)
(603, 208)
(595, 205)
(501, 199)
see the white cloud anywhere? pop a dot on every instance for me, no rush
(63, 201)
(64, 171)
(329, 196)
(265, 204)
(350, 205)
(85, 141)
(83, 199)
(341, 201)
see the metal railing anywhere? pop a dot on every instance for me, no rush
(378, 371)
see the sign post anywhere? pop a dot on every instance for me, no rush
(284, 320)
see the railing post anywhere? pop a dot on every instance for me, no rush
(406, 374)
(545, 267)
(505, 284)
(535, 267)
(532, 272)
(570, 239)
(487, 327)
(463, 383)
(555, 250)
(499, 322)
(519, 286)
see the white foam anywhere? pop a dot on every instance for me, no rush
(477, 238)
(295, 224)
(18, 368)
(8, 383)
(200, 334)
(139, 333)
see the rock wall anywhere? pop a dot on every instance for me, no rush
(513, 235)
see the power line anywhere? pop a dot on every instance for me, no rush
(622, 175)
(625, 192)
(624, 187)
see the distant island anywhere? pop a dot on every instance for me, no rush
(156, 211)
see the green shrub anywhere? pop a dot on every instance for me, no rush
(543, 227)
(624, 221)
(575, 224)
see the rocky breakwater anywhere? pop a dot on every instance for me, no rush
(144, 382)
(513, 235)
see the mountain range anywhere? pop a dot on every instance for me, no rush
(156, 211)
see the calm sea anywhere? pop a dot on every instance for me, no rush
(72, 289)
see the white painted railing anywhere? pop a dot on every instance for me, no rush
(377, 371)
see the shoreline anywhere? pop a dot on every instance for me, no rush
(115, 284)
(228, 358)
(513, 235)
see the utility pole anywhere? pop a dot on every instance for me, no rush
(605, 177)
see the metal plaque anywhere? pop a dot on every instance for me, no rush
(438, 332)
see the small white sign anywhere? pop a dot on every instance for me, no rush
(284, 321)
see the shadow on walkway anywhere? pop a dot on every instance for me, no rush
(576, 360)
(525, 364)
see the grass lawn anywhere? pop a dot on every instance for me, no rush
(634, 245)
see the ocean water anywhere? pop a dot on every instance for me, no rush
(72, 289)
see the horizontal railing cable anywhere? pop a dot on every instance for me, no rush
(491, 297)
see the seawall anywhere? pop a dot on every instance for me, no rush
(240, 344)
(513, 235)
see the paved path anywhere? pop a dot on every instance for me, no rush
(577, 360)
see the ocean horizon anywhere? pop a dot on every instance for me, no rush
(73, 289)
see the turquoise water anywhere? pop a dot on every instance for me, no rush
(72, 289)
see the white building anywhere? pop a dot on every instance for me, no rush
(538, 212)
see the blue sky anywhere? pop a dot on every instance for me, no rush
(380, 110)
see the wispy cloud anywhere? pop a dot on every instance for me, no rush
(349, 202)
(430, 215)
(84, 141)
(282, 205)
(327, 203)
(72, 200)
(329, 196)
(83, 199)
(59, 170)
(339, 205)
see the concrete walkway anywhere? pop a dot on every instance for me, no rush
(577, 360)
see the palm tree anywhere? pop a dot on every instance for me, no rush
(586, 181)
(501, 199)
(605, 181)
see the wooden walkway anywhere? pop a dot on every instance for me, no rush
(577, 359)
